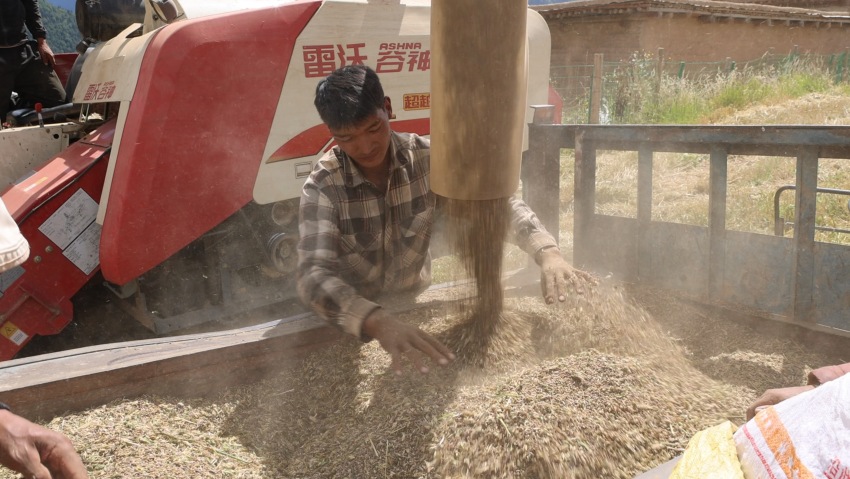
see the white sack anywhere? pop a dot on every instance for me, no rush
(806, 436)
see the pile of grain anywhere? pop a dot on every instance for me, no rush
(741, 349)
(604, 393)
(589, 389)
(159, 438)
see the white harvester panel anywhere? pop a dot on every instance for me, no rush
(23, 149)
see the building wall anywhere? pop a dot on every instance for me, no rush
(691, 39)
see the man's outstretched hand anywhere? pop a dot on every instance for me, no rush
(557, 277)
(400, 339)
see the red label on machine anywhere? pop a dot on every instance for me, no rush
(416, 101)
(321, 60)
(100, 91)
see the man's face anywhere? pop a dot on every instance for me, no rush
(367, 143)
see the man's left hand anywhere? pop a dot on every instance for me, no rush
(557, 277)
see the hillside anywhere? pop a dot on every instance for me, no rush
(61, 25)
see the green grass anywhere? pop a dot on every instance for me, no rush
(682, 109)
(636, 96)
(740, 94)
(798, 84)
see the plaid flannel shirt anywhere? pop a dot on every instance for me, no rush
(357, 242)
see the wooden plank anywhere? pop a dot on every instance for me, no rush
(194, 365)
(644, 213)
(789, 136)
(183, 366)
(767, 140)
(717, 178)
(804, 233)
(596, 89)
(585, 200)
(541, 174)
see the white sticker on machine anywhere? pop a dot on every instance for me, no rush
(70, 220)
(73, 228)
(84, 252)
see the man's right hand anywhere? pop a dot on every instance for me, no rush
(400, 339)
(45, 52)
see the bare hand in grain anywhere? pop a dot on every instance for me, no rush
(557, 277)
(401, 339)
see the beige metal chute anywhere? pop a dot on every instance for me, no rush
(478, 97)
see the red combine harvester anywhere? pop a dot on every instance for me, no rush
(192, 130)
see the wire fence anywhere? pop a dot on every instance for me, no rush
(634, 91)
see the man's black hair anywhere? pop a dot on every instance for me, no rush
(348, 96)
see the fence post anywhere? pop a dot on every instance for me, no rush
(596, 89)
(659, 70)
(681, 70)
(804, 234)
(541, 167)
(839, 67)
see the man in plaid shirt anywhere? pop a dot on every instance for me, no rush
(366, 219)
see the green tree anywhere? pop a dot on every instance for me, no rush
(61, 25)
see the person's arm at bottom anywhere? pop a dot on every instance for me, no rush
(36, 451)
(401, 339)
(814, 379)
(772, 397)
